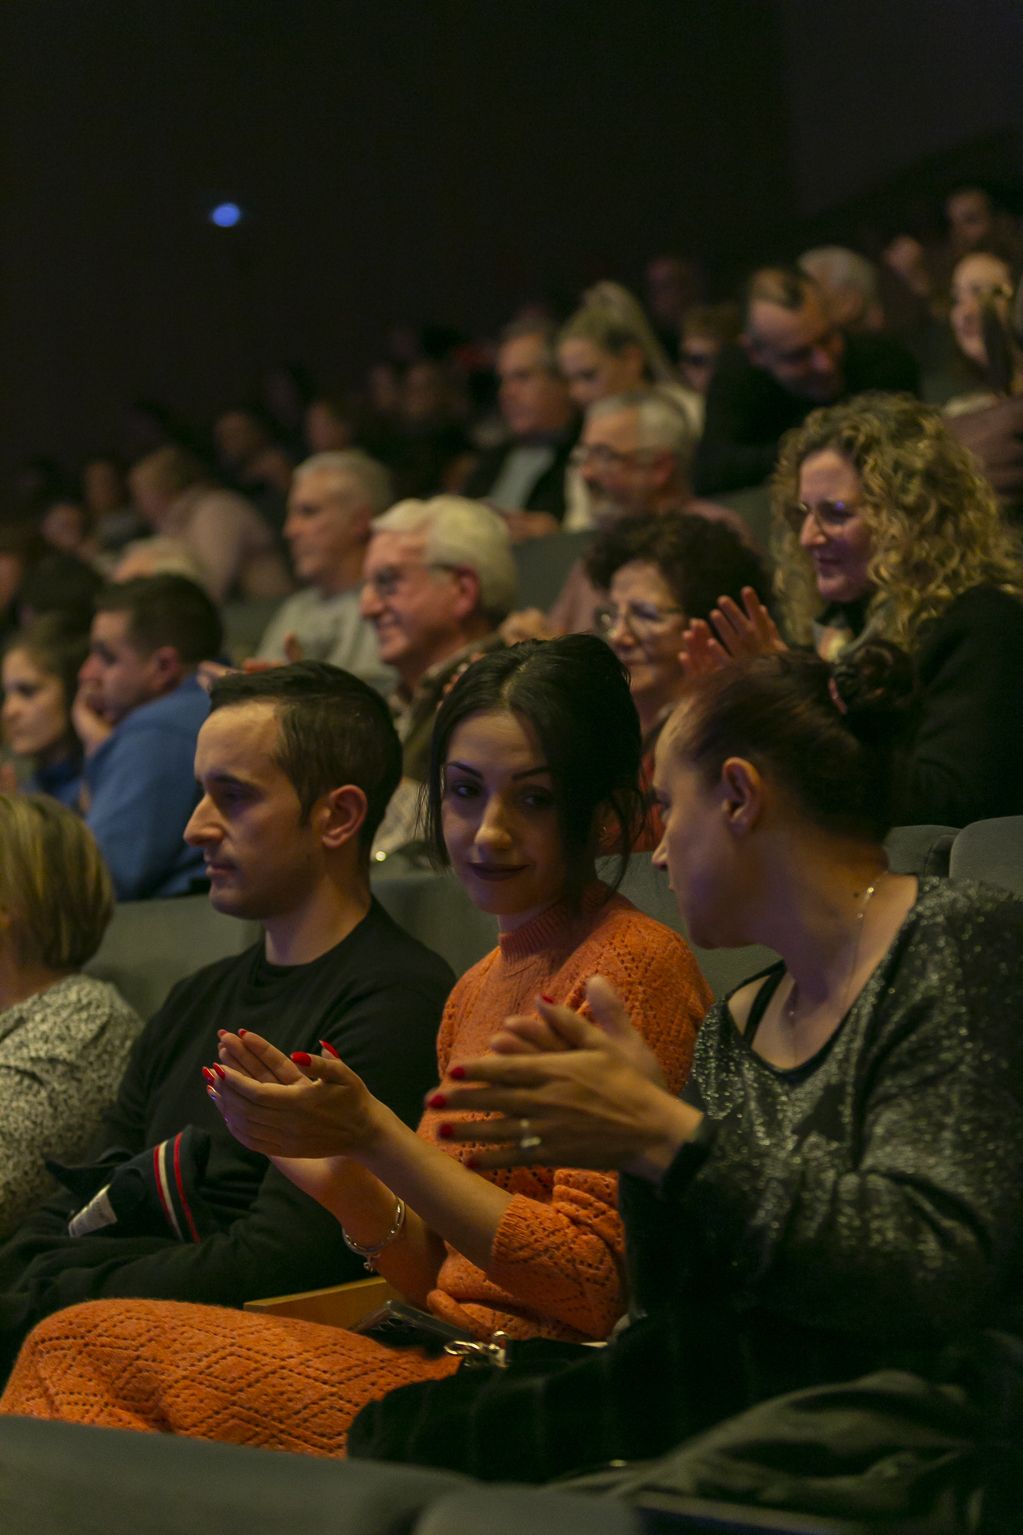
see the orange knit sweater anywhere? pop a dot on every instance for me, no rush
(556, 1262)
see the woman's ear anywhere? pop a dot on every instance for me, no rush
(340, 815)
(742, 794)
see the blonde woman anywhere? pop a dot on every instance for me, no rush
(64, 1037)
(884, 525)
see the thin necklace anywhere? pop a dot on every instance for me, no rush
(793, 996)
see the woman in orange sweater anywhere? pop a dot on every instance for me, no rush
(534, 766)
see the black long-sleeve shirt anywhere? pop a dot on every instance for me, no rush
(377, 997)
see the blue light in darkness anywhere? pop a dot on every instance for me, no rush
(226, 215)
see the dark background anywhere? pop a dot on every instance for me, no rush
(436, 160)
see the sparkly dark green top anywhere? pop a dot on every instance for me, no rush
(866, 1207)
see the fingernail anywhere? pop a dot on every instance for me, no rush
(242, 1033)
(326, 1045)
(457, 1072)
(221, 1033)
(219, 1069)
(545, 998)
(445, 1131)
(301, 1058)
(210, 1078)
(437, 1101)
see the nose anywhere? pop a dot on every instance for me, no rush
(492, 830)
(620, 632)
(90, 670)
(811, 534)
(370, 604)
(202, 826)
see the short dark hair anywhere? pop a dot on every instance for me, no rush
(830, 735)
(788, 287)
(334, 730)
(575, 693)
(63, 584)
(699, 559)
(166, 610)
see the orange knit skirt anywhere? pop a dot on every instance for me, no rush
(207, 1373)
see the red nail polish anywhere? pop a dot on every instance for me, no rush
(445, 1131)
(210, 1078)
(545, 998)
(326, 1045)
(219, 1069)
(301, 1058)
(456, 1072)
(242, 1033)
(437, 1101)
(221, 1033)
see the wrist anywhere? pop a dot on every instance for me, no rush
(674, 1126)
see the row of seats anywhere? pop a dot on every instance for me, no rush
(152, 944)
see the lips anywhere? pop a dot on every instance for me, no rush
(494, 873)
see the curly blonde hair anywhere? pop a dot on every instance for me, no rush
(935, 525)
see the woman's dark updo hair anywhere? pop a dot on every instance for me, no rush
(829, 735)
(575, 693)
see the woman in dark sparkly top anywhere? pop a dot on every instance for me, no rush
(840, 1188)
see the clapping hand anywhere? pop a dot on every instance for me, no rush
(734, 633)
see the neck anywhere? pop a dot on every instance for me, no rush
(345, 575)
(332, 911)
(18, 982)
(810, 907)
(412, 672)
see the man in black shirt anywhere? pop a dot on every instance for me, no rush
(792, 358)
(295, 768)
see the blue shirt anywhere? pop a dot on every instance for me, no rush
(142, 789)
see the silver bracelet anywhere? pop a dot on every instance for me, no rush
(369, 1253)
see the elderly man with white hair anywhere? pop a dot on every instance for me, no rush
(439, 579)
(333, 500)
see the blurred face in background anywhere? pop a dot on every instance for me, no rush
(978, 279)
(593, 373)
(534, 398)
(35, 714)
(801, 348)
(327, 523)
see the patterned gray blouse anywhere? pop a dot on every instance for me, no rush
(62, 1055)
(866, 1206)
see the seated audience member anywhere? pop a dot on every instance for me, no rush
(705, 330)
(61, 585)
(833, 1206)
(674, 286)
(329, 424)
(850, 285)
(983, 283)
(105, 493)
(40, 681)
(429, 450)
(886, 529)
(536, 751)
(661, 573)
(608, 347)
(231, 543)
(334, 498)
(67, 526)
(295, 766)
(793, 356)
(21, 549)
(248, 453)
(64, 1037)
(635, 456)
(526, 473)
(438, 580)
(137, 714)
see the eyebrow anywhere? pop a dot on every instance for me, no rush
(226, 780)
(530, 772)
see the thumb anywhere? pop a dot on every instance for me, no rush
(608, 1009)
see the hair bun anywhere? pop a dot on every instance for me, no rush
(872, 685)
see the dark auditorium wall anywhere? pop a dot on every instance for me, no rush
(404, 159)
(875, 86)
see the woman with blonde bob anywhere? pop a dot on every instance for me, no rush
(886, 528)
(64, 1037)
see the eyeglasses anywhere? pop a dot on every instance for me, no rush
(643, 618)
(831, 517)
(600, 456)
(386, 581)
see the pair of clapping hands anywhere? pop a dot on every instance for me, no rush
(733, 633)
(589, 1094)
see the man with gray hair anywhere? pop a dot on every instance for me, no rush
(635, 455)
(439, 579)
(850, 285)
(333, 500)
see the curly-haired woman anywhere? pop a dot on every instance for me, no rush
(885, 525)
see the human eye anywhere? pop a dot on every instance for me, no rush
(460, 788)
(645, 612)
(537, 799)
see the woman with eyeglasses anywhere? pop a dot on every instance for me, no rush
(886, 529)
(661, 573)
